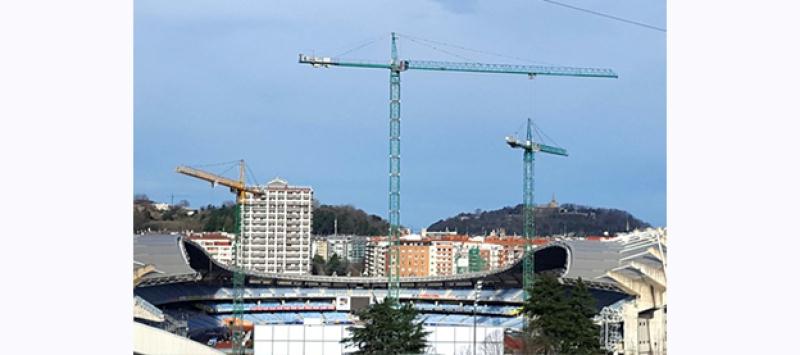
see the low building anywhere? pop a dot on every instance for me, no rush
(357, 250)
(218, 244)
(319, 246)
(339, 245)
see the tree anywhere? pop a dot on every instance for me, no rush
(388, 329)
(547, 312)
(318, 265)
(349, 220)
(560, 324)
(492, 344)
(585, 337)
(221, 219)
(337, 265)
(140, 217)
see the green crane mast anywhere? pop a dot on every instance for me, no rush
(242, 191)
(528, 226)
(395, 67)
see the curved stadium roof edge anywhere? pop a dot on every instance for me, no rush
(569, 259)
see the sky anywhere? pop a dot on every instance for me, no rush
(218, 81)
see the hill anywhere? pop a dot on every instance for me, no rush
(349, 220)
(550, 220)
(154, 217)
(148, 215)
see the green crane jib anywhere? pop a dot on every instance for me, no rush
(395, 66)
(528, 227)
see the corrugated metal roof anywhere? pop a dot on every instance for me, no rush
(163, 251)
(591, 259)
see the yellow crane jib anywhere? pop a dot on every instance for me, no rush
(237, 187)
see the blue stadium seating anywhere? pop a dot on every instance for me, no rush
(162, 294)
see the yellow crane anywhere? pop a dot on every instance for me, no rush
(238, 187)
(238, 332)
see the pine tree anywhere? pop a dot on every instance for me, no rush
(388, 329)
(585, 333)
(334, 265)
(560, 324)
(318, 265)
(548, 316)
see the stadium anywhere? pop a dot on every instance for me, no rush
(183, 291)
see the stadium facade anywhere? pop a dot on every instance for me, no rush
(625, 275)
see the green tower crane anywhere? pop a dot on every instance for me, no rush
(528, 226)
(395, 67)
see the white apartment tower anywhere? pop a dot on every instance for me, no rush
(375, 257)
(276, 229)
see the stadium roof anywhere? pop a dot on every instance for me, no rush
(177, 259)
(167, 253)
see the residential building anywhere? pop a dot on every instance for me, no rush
(414, 257)
(319, 246)
(426, 234)
(511, 249)
(477, 262)
(441, 257)
(217, 244)
(339, 245)
(446, 254)
(276, 229)
(376, 256)
(356, 251)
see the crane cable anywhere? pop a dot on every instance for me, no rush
(438, 49)
(213, 164)
(607, 16)
(536, 130)
(230, 164)
(229, 168)
(541, 133)
(361, 45)
(251, 174)
(520, 59)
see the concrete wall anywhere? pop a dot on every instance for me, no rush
(320, 339)
(148, 340)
